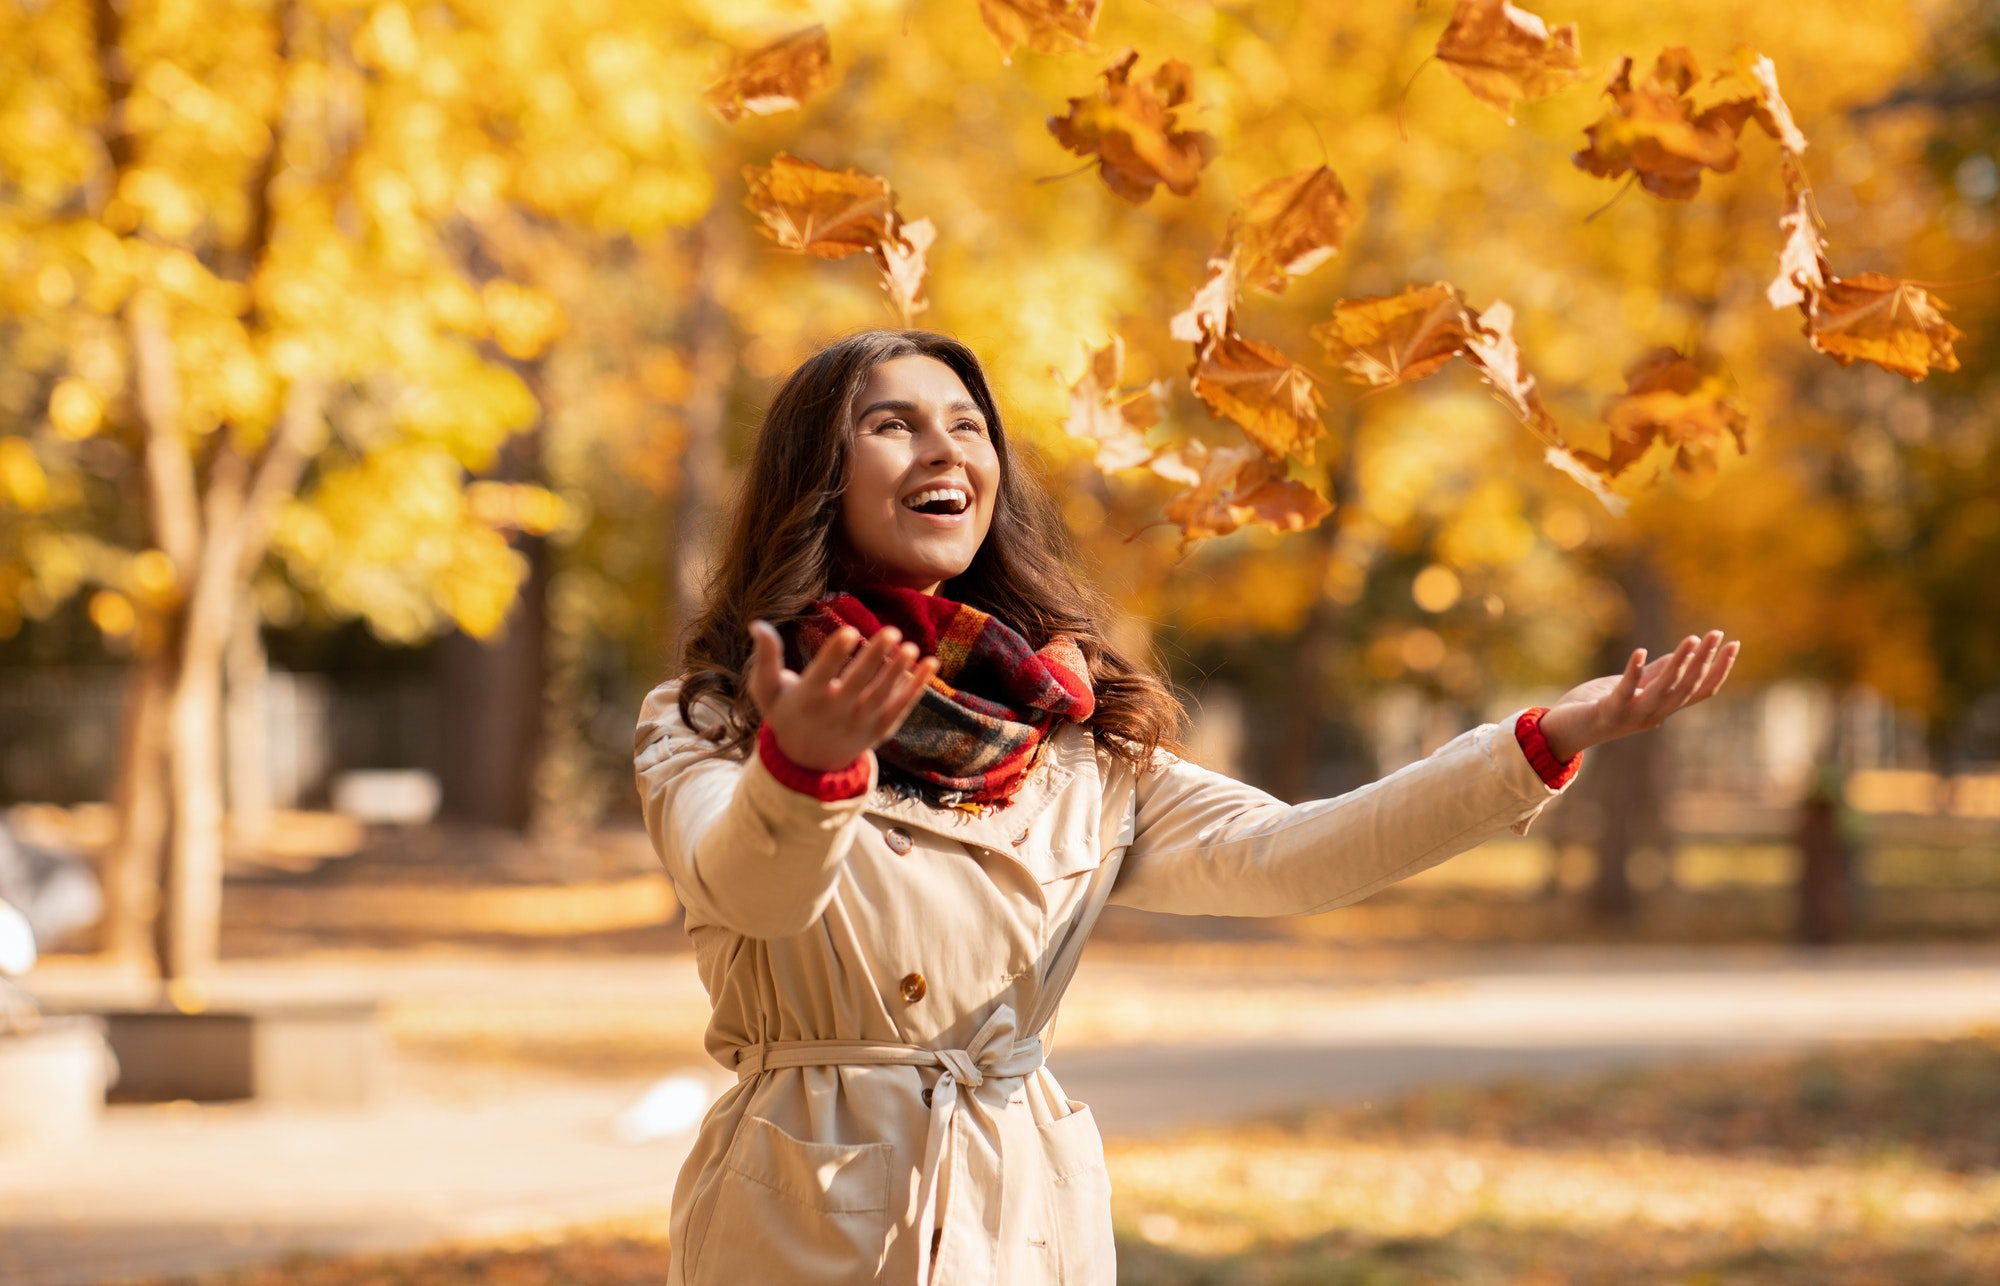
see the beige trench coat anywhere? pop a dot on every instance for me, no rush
(882, 973)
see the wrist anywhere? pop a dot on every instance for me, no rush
(1561, 739)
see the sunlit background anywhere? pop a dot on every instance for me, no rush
(374, 378)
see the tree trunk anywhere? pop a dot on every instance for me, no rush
(1826, 888)
(491, 691)
(142, 808)
(692, 519)
(1630, 770)
(246, 747)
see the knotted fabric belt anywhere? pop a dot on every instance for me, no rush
(993, 1054)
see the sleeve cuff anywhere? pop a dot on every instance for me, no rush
(836, 783)
(1528, 732)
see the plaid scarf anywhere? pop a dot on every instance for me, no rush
(975, 733)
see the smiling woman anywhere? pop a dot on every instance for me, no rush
(919, 501)
(953, 774)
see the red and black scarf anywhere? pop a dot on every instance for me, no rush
(973, 735)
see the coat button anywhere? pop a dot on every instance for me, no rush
(913, 987)
(899, 839)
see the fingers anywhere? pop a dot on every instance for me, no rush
(867, 664)
(831, 656)
(1628, 682)
(1653, 700)
(1718, 670)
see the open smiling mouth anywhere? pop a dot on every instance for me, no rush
(941, 512)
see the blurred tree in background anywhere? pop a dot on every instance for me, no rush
(450, 318)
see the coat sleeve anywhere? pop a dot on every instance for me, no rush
(744, 850)
(1207, 844)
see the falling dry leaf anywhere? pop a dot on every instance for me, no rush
(1213, 309)
(1870, 317)
(1393, 339)
(1288, 227)
(1130, 128)
(1655, 131)
(1229, 488)
(1506, 55)
(1256, 387)
(813, 210)
(774, 78)
(1045, 26)
(1802, 267)
(1115, 421)
(1493, 351)
(1668, 400)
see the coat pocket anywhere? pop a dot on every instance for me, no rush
(1081, 1194)
(791, 1209)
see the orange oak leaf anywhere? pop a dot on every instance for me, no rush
(1655, 131)
(1287, 227)
(1115, 421)
(1872, 317)
(1668, 400)
(773, 78)
(1045, 26)
(1229, 488)
(1255, 386)
(1130, 128)
(1506, 55)
(810, 209)
(1393, 339)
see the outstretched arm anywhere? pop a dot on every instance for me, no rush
(1203, 843)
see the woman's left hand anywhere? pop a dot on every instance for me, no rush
(1641, 698)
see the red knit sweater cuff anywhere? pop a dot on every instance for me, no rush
(1528, 731)
(833, 783)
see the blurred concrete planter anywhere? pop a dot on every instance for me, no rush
(53, 1080)
(317, 1051)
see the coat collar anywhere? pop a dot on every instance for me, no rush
(1061, 760)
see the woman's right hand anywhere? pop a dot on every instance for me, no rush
(827, 714)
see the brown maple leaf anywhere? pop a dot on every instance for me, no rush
(1670, 401)
(1394, 339)
(1229, 488)
(774, 77)
(808, 208)
(1130, 128)
(1869, 317)
(1872, 317)
(1287, 227)
(1655, 131)
(1045, 26)
(1256, 387)
(1116, 422)
(1506, 55)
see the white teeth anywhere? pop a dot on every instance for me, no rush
(925, 497)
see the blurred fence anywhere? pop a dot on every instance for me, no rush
(59, 732)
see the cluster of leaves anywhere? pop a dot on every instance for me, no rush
(1656, 132)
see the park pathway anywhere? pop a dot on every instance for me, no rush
(461, 1149)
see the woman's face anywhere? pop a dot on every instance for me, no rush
(915, 430)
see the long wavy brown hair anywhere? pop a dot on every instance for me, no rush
(786, 551)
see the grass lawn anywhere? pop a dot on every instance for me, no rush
(1870, 1163)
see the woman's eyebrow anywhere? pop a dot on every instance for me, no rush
(911, 408)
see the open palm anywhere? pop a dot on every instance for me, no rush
(1617, 705)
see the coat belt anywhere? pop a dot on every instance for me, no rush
(993, 1054)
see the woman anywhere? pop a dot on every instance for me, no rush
(888, 893)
